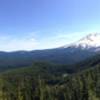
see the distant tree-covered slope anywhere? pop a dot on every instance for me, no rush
(58, 55)
(87, 63)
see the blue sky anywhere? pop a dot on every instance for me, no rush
(41, 24)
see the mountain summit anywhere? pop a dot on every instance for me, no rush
(91, 41)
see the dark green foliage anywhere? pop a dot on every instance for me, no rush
(45, 81)
(48, 81)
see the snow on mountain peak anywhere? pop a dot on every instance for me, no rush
(90, 41)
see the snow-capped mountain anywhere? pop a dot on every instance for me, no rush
(68, 54)
(91, 41)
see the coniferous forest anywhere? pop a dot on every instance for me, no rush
(48, 81)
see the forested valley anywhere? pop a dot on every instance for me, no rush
(48, 81)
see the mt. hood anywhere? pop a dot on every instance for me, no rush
(68, 54)
(90, 42)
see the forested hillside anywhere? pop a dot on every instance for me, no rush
(45, 81)
(59, 56)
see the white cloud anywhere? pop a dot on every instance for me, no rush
(10, 43)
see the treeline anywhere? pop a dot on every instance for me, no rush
(43, 82)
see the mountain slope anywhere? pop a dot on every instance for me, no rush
(59, 56)
(88, 63)
(70, 54)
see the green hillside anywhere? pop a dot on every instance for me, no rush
(45, 81)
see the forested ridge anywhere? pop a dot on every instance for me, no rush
(46, 81)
